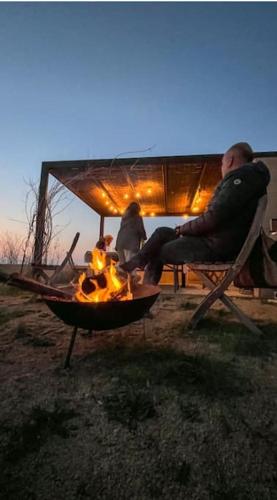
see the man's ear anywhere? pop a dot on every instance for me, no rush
(230, 161)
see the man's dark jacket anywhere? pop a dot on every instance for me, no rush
(229, 215)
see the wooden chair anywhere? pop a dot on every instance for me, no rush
(176, 269)
(218, 276)
(40, 271)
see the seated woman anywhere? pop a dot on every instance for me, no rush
(103, 244)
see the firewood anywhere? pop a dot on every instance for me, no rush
(34, 286)
(122, 291)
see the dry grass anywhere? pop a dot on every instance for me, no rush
(169, 416)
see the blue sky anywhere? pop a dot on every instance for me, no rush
(92, 80)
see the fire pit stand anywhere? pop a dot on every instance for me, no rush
(70, 348)
(101, 316)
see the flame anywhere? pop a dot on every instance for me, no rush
(98, 260)
(101, 282)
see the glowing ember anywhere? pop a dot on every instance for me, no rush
(101, 282)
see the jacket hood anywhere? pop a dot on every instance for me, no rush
(259, 169)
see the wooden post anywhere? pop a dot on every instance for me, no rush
(41, 209)
(102, 222)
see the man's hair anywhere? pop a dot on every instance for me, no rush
(242, 149)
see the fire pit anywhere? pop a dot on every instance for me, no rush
(101, 300)
(102, 315)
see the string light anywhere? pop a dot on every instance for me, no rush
(126, 196)
(149, 190)
(138, 195)
(152, 214)
(185, 216)
(195, 209)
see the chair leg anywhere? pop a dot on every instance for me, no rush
(215, 293)
(199, 313)
(234, 308)
(176, 278)
(247, 322)
(211, 298)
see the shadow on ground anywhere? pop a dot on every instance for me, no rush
(235, 338)
(141, 367)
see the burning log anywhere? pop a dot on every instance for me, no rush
(31, 285)
(92, 282)
(101, 282)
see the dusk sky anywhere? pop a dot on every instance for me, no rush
(92, 80)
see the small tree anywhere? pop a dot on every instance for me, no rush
(57, 201)
(10, 248)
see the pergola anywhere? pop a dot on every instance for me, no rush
(164, 186)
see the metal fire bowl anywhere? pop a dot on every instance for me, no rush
(104, 315)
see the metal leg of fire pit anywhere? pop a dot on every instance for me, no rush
(70, 349)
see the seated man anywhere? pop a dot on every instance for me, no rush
(219, 233)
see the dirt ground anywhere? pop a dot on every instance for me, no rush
(148, 411)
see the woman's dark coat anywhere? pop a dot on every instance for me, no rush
(131, 233)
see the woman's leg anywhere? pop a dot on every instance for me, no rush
(121, 256)
(129, 254)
